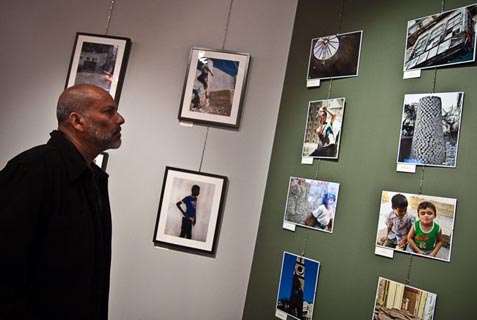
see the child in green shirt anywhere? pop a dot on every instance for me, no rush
(425, 236)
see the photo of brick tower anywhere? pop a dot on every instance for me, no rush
(298, 280)
(430, 127)
(214, 86)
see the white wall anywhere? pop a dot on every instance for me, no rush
(147, 282)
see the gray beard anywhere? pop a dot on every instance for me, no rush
(102, 140)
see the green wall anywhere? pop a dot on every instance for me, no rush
(366, 166)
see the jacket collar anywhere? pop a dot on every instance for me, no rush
(74, 161)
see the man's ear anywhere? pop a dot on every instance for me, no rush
(77, 121)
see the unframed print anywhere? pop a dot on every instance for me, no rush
(312, 203)
(444, 219)
(441, 39)
(323, 128)
(298, 281)
(335, 56)
(430, 127)
(395, 300)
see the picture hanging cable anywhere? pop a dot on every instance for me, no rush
(443, 4)
(305, 242)
(329, 89)
(111, 8)
(408, 278)
(203, 149)
(227, 24)
(421, 182)
(317, 168)
(340, 18)
(223, 47)
(434, 83)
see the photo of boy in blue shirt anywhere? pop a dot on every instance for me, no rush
(189, 214)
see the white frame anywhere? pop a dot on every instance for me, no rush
(186, 112)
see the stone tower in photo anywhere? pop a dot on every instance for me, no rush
(428, 146)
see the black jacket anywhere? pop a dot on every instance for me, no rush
(55, 235)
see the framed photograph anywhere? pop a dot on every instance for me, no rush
(441, 39)
(190, 208)
(430, 127)
(335, 56)
(214, 87)
(297, 289)
(99, 60)
(395, 300)
(323, 128)
(416, 224)
(312, 203)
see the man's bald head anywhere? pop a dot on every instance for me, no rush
(77, 99)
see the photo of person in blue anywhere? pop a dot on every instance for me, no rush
(189, 214)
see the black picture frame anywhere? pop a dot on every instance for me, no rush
(171, 229)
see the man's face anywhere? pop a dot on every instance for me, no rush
(103, 123)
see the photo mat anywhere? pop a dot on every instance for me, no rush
(99, 60)
(335, 56)
(395, 300)
(323, 128)
(400, 227)
(214, 87)
(312, 203)
(430, 128)
(441, 39)
(186, 217)
(297, 288)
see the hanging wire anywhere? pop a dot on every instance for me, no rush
(203, 149)
(408, 279)
(328, 96)
(305, 242)
(317, 168)
(443, 4)
(421, 182)
(340, 18)
(111, 8)
(223, 47)
(329, 89)
(227, 25)
(435, 80)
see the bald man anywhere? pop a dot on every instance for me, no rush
(55, 218)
